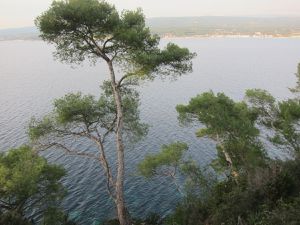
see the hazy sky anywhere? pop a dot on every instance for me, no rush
(18, 13)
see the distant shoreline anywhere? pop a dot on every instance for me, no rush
(170, 37)
(198, 27)
(228, 36)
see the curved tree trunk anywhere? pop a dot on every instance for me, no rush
(234, 172)
(122, 212)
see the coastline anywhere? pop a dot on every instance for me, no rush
(262, 36)
(205, 36)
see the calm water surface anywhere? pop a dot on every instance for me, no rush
(30, 79)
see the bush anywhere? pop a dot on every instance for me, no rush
(12, 218)
(276, 201)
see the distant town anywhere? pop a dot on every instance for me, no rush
(172, 27)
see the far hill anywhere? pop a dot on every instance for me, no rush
(208, 26)
(197, 26)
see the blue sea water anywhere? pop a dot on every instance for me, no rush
(30, 79)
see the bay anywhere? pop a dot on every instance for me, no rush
(30, 79)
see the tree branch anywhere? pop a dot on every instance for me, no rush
(109, 129)
(100, 51)
(106, 42)
(103, 161)
(67, 150)
(123, 78)
(5, 205)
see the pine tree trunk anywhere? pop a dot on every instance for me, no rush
(234, 172)
(122, 212)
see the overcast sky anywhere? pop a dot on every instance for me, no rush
(20, 13)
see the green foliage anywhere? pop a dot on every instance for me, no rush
(92, 29)
(169, 156)
(267, 192)
(68, 23)
(111, 222)
(54, 216)
(221, 115)
(198, 181)
(275, 200)
(27, 181)
(13, 218)
(287, 213)
(263, 103)
(170, 162)
(151, 219)
(134, 129)
(229, 123)
(190, 211)
(171, 60)
(287, 123)
(281, 117)
(40, 128)
(75, 108)
(78, 114)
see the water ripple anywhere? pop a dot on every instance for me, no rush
(30, 80)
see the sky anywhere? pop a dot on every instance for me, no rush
(21, 13)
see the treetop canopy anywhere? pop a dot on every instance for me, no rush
(93, 29)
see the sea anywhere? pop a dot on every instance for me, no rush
(30, 80)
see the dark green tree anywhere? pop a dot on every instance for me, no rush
(232, 126)
(283, 118)
(28, 182)
(94, 30)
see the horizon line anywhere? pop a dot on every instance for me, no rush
(165, 17)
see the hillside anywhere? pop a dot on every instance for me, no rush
(208, 26)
